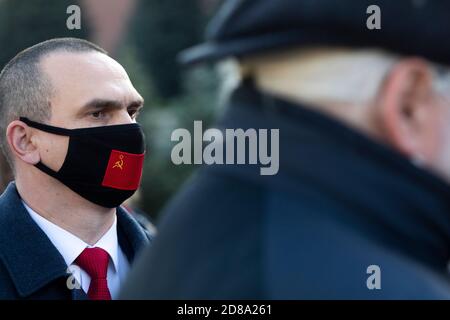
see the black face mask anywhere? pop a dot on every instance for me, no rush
(103, 164)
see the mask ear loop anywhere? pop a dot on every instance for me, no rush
(41, 166)
(49, 129)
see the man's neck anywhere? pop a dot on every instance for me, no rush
(66, 209)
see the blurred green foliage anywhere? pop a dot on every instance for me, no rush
(160, 117)
(24, 23)
(161, 29)
(174, 97)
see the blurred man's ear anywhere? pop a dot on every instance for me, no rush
(405, 109)
(21, 142)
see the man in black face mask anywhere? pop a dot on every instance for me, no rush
(69, 131)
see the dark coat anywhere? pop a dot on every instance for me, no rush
(30, 265)
(339, 203)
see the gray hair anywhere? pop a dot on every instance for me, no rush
(342, 81)
(342, 75)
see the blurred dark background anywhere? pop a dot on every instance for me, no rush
(145, 37)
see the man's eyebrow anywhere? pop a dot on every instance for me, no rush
(97, 104)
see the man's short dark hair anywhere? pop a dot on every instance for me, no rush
(25, 90)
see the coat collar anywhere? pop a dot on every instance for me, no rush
(386, 197)
(131, 235)
(29, 256)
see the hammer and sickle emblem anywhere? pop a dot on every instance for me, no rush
(119, 164)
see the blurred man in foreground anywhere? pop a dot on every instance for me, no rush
(360, 207)
(69, 130)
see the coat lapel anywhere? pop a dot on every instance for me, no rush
(28, 254)
(132, 236)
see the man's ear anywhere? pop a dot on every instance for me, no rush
(403, 105)
(22, 142)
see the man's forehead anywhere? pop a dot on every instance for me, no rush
(67, 66)
(83, 76)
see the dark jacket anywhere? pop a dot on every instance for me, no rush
(339, 204)
(30, 265)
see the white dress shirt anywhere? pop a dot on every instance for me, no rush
(70, 247)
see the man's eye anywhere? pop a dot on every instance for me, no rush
(97, 114)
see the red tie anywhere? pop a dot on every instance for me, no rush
(95, 262)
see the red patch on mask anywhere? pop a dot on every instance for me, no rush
(124, 171)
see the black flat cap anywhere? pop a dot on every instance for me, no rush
(244, 27)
